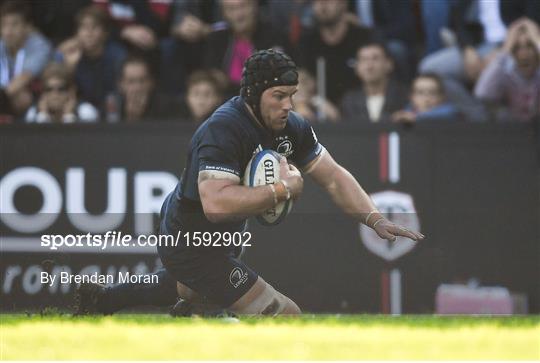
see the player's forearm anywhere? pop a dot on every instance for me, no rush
(236, 202)
(347, 193)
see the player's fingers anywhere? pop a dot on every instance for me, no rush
(283, 165)
(397, 230)
(385, 234)
(418, 235)
(404, 232)
(293, 169)
(408, 234)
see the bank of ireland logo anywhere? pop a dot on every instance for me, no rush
(237, 277)
(398, 208)
(285, 148)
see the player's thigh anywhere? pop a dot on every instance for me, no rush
(263, 299)
(215, 275)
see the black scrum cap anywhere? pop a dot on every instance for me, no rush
(264, 69)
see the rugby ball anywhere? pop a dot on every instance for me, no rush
(263, 169)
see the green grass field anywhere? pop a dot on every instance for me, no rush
(356, 337)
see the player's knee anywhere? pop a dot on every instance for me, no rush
(291, 308)
(281, 306)
(265, 301)
(274, 307)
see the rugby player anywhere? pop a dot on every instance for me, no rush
(211, 198)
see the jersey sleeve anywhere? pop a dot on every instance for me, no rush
(219, 152)
(309, 147)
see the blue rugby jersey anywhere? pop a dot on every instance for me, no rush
(226, 142)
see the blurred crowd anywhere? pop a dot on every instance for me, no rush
(361, 61)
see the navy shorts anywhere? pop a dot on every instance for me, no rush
(215, 273)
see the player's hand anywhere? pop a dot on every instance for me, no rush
(391, 231)
(292, 177)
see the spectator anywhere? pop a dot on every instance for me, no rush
(308, 104)
(192, 19)
(182, 53)
(479, 30)
(138, 23)
(379, 95)
(290, 18)
(23, 55)
(470, 107)
(228, 49)
(138, 99)
(95, 59)
(394, 22)
(54, 18)
(205, 92)
(435, 17)
(58, 102)
(335, 39)
(428, 102)
(513, 78)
